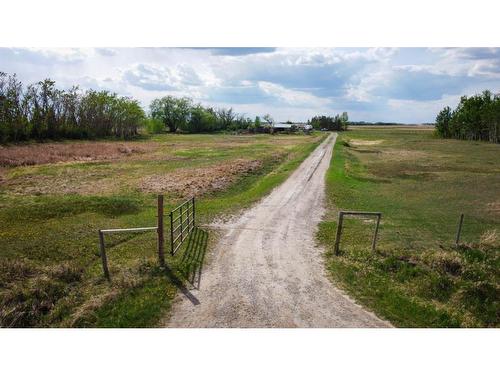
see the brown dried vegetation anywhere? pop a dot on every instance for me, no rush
(55, 152)
(197, 181)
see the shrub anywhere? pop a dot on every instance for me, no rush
(154, 125)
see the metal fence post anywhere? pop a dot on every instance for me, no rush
(188, 216)
(103, 255)
(180, 222)
(459, 230)
(194, 212)
(161, 241)
(339, 231)
(376, 232)
(172, 233)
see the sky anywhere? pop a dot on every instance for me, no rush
(408, 85)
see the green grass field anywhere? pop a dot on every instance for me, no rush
(50, 270)
(421, 184)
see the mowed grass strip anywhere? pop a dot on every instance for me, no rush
(50, 270)
(421, 184)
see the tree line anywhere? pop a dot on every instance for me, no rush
(183, 114)
(475, 118)
(336, 123)
(42, 111)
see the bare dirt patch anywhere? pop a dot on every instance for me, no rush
(196, 181)
(47, 153)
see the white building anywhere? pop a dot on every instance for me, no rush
(282, 126)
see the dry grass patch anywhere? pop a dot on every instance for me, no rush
(47, 153)
(490, 238)
(71, 181)
(362, 142)
(197, 181)
(400, 154)
(493, 207)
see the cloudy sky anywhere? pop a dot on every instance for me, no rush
(372, 84)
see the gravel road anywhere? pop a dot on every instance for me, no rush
(267, 271)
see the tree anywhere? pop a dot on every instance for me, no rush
(43, 111)
(172, 111)
(200, 120)
(475, 118)
(491, 117)
(257, 122)
(443, 122)
(267, 118)
(335, 123)
(225, 118)
(345, 120)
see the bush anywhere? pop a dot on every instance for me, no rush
(154, 125)
(201, 120)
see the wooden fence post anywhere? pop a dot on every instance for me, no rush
(459, 230)
(161, 242)
(103, 255)
(339, 232)
(376, 232)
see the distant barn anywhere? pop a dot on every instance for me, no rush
(290, 127)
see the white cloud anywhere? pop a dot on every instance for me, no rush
(292, 97)
(370, 83)
(414, 111)
(66, 55)
(158, 78)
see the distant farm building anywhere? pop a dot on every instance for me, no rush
(291, 127)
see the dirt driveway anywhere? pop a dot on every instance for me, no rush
(267, 271)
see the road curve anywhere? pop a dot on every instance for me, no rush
(266, 269)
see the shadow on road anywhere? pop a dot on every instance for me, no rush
(194, 255)
(189, 266)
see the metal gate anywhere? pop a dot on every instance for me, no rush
(182, 222)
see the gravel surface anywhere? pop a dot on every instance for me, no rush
(266, 269)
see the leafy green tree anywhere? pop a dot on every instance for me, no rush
(173, 112)
(257, 122)
(268, 119)
(344, 118)
(333, 123)
(475, 118)
(443, 120)
(225, 118)
(153, 125)
(201, 120)
(43, 111)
